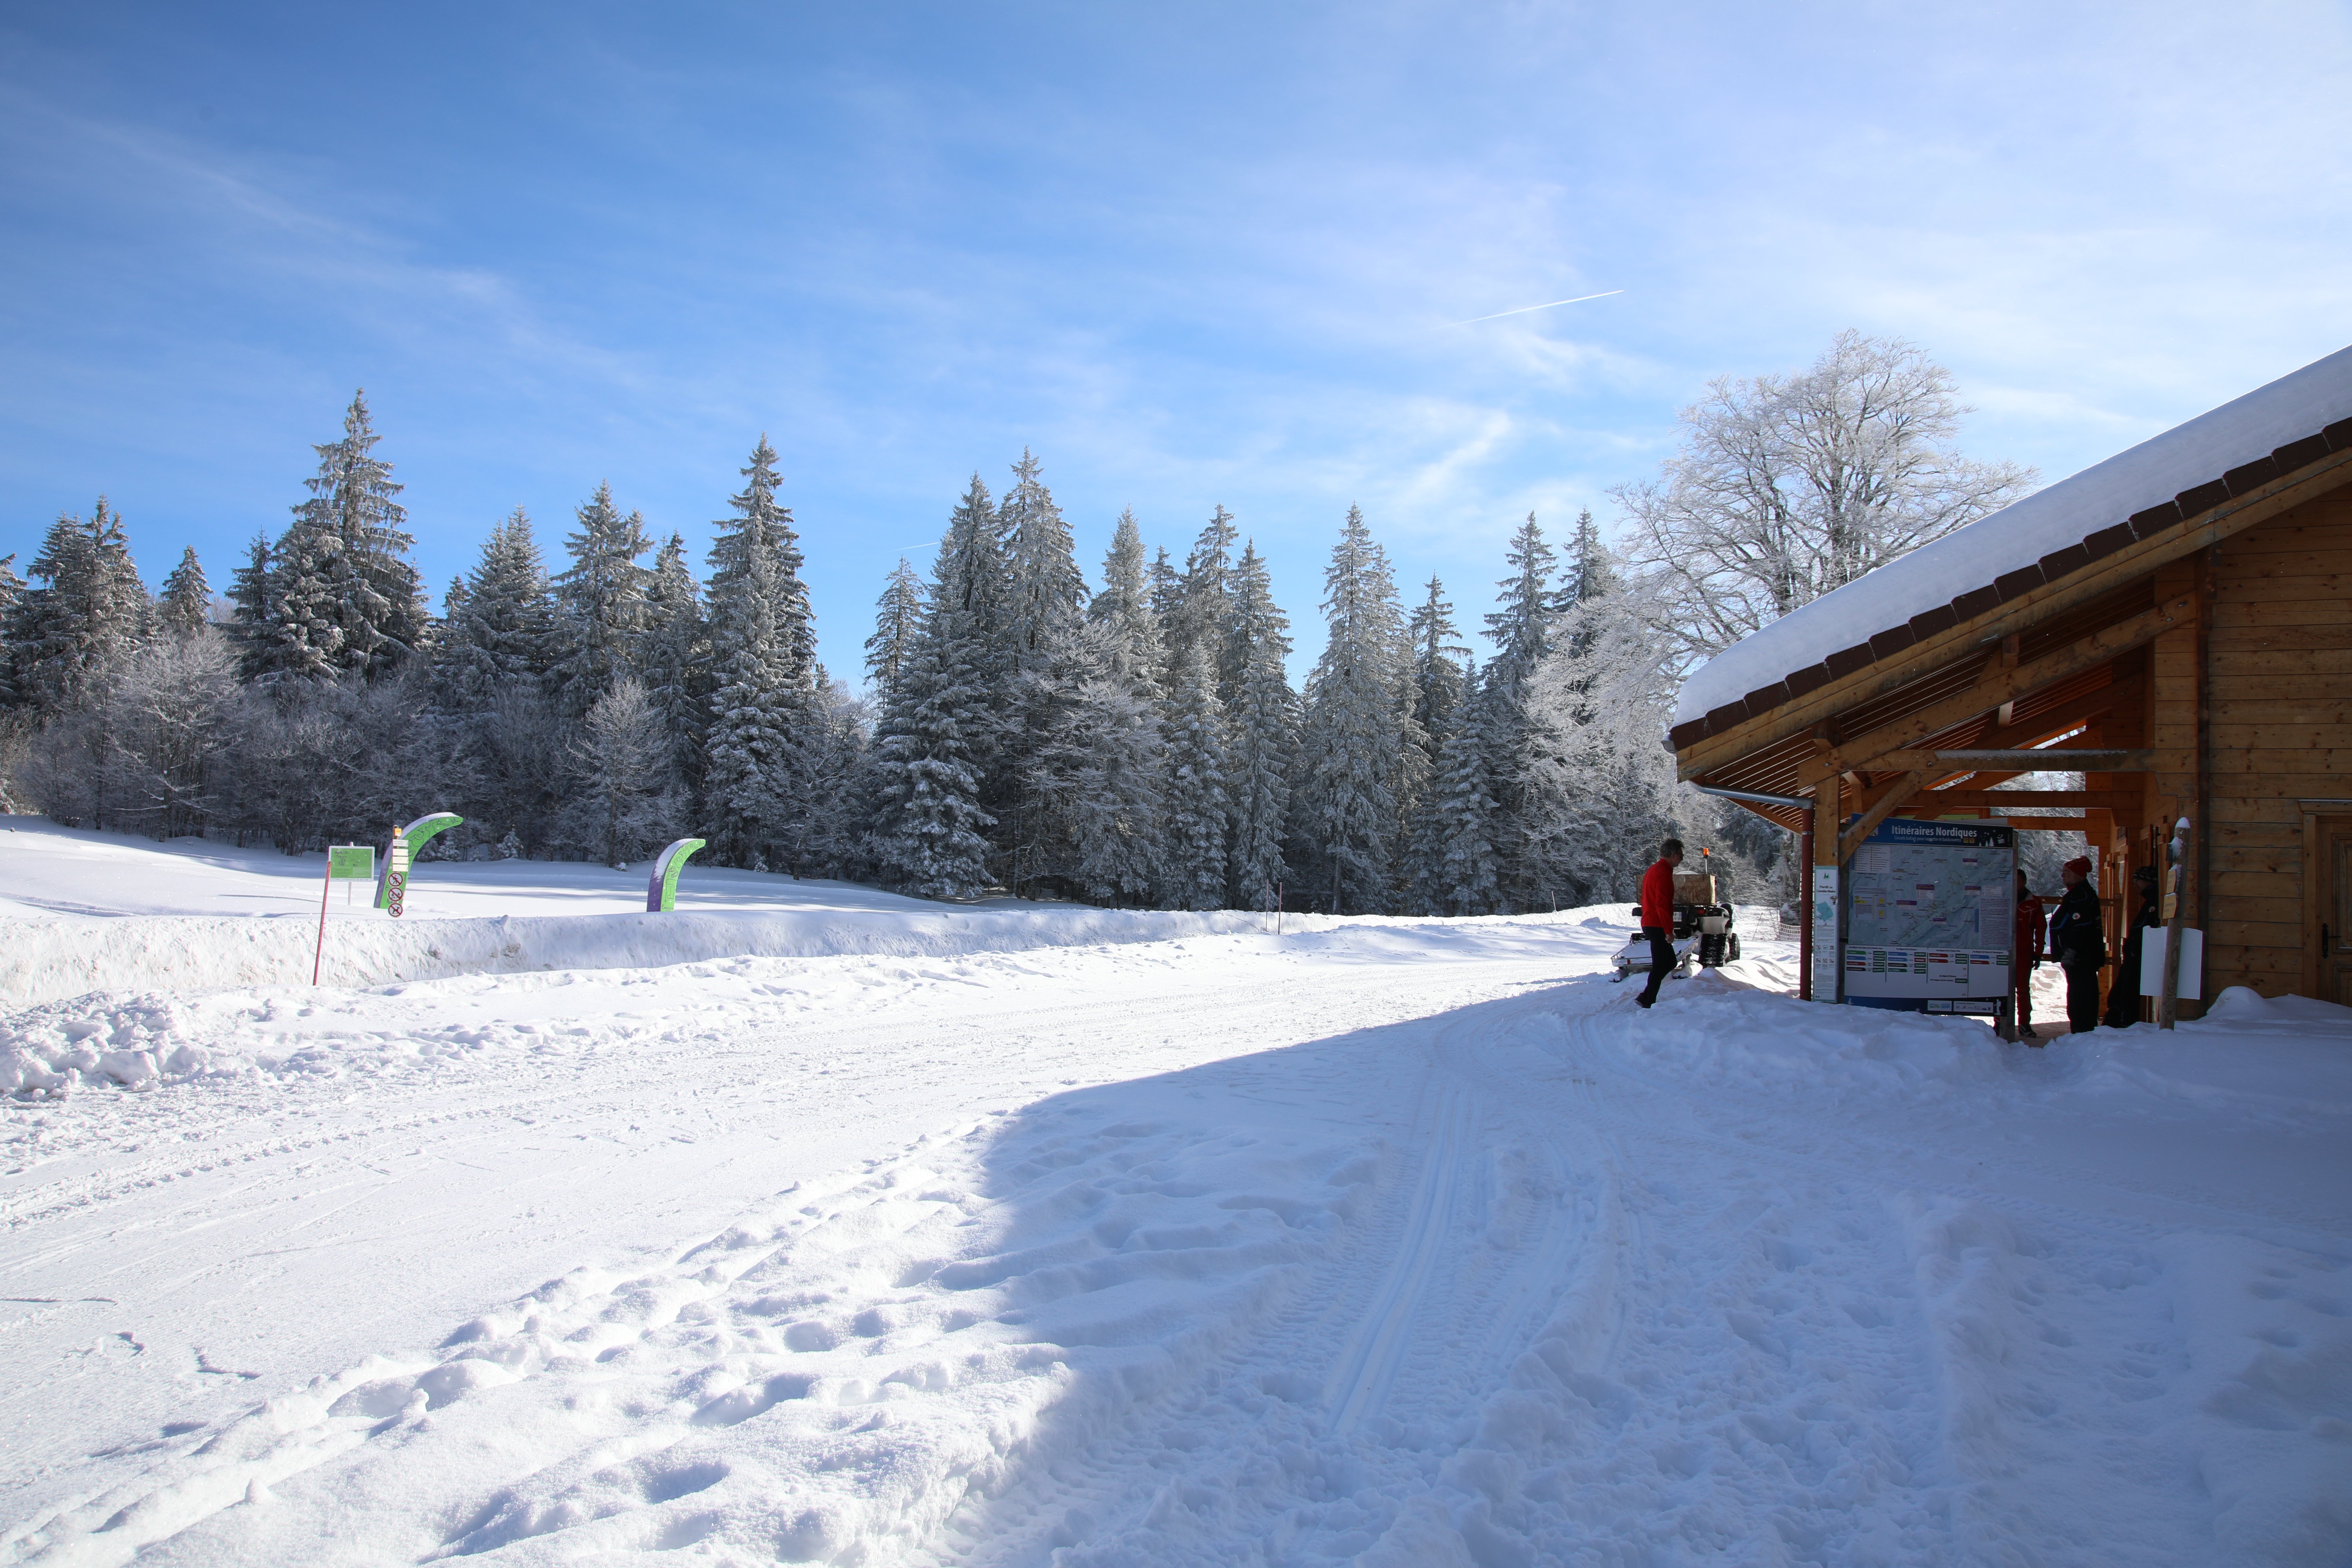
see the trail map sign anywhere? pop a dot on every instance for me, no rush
(1930, 914)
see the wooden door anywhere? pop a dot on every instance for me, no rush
(2335, 871)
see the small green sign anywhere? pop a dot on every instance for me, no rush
(351, 863)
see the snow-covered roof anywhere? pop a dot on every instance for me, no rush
(2289, 420)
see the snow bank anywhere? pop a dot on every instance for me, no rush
(2249, 1056)
(46, 960)
(2147, 475)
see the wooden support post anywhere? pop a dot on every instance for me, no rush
(1805, 917)
(1822, 914)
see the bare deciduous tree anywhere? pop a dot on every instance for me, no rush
(1789, 486)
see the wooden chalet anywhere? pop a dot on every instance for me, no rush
(2175, 624)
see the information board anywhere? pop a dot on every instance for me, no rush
(351, 862)
(1931, 912)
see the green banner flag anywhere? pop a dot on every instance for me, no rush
(661, 887)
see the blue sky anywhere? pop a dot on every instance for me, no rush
(1192, 254)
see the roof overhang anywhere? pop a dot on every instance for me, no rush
(2010, 665)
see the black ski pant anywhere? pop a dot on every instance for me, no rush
(1662, 958)
(2123, 996)
(2082, 997)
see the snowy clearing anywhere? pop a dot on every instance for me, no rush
(1386, 1241)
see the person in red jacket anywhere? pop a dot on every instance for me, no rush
(2027, 958)
(1658, 915)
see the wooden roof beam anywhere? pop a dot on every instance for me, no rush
(1941, 800)
(2067, 715)
(1851, 839)
(1998, 686)
(2048, 759)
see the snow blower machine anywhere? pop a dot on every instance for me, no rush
(1702, 935)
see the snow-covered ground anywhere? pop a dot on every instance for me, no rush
(1391, 1242)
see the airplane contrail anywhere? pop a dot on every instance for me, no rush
(1523, 310)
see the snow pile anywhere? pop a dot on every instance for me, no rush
(2249, 1056)
(50, 959)
(483, 1010)
(1717, 1030)
(2017, 535)
(132, 1043)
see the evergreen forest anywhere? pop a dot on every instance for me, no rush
(1138, 741)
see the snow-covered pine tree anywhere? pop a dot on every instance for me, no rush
(834, 759)
(897, 614)
(675, 657)
(1520, 628)
(1196, 806)
(12, 593)
(1441, 681)
(1591, 570)
(1045, 595)
(970, 576)
(1204, 606)
(1262, 727)
(1461, 823)
(249, 609)
(1124, 607)
(1165, 588)
(762, 644)
(1044, 737)
(1113, 812)
(626, 803)
(600, 602)
(1441, 664)
(1351, 742)
(928, 745)
(343, 595)
(89, 612)
(186, 605)
(500, 630)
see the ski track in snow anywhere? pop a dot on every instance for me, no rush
(1369, 1246)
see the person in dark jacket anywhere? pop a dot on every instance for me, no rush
(2080, 944)
(2027, 958)
(2124, 994)
(1658, 915)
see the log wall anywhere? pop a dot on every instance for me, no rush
(2277, 719)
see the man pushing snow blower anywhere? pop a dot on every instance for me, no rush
(1658, 915)
(1682, 923)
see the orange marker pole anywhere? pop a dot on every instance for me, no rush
(325, 887)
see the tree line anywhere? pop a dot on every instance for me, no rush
(1138, 744)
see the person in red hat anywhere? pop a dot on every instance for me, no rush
(2080, 943)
